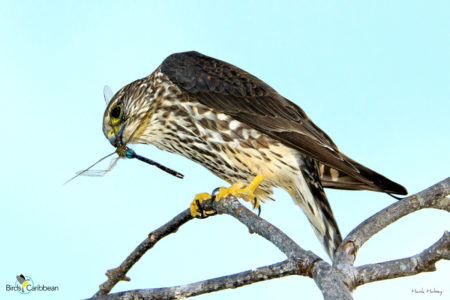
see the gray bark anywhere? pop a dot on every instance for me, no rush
(336, 281)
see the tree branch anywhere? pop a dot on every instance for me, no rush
(307, 263)
(432, 197)
(329, 281)
(285, 244)
(422, 262)
(281, 269)
(335, 281)
(119, 273)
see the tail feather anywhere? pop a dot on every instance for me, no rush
(310, 196)
(373, 181)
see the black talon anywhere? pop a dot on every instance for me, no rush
(259, 210)
(214, 194)
(204, 214)
(395, 197)
(212, 200)
(254, 202)
(215, 191)
(200, 209)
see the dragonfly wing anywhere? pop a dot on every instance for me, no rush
(107, 94)
(99, 173)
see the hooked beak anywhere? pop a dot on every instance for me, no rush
(115, 137)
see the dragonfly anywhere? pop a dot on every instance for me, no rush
(122, 151)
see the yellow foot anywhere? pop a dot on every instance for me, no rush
(238, 190)
(197, 210)
(245, 192)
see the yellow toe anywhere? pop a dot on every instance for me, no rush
(241, 191)
(237, 189)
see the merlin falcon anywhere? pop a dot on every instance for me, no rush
(242, 130)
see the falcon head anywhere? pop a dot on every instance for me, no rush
(127, 114)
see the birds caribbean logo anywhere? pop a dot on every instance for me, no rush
(122, 151)
(24, 282)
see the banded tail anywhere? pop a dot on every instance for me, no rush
(314, 202)
(310, 196)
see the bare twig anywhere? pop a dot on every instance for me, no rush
(334, 282)
(423, 262)
(119, 273)
(301, 262)
(281, 269)
(434, 196)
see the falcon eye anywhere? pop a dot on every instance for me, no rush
(116, 112)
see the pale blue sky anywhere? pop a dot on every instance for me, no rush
(373, 75)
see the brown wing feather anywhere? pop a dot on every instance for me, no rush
(235, 92)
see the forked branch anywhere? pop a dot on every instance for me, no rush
(119, 273)
(422, 262)
(335, 281)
